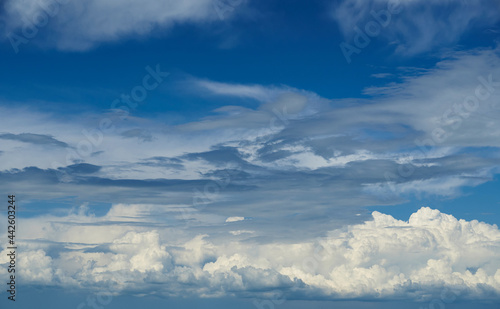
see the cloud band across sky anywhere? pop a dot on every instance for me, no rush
(382, 258)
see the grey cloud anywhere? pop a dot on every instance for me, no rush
(219, 156)
(317, 169)
(37, 139)
(143, 135)
(82, 168)
(77, 181)
(173, 163)
(96, 153)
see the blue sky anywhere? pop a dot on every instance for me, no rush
(221, 153)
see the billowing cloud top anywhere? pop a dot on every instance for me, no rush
(383, 257)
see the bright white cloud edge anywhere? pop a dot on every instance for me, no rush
(383, 258)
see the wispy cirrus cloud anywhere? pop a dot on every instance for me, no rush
(419, 26)
(257, 92)
(74, 26)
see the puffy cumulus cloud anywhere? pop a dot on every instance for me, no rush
(383, 258)
(235, 219)
(37, 266)
(133, 244)
(415, 26)
(195, 251)
(432, 249)
(77, 26)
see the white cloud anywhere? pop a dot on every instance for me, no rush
(434, 251)
(240, 232)
(80, 26)
(437, 186)
(235, 219)
(256, 92)
(133, 244)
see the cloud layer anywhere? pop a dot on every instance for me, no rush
(435, 252)
(430, 134)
